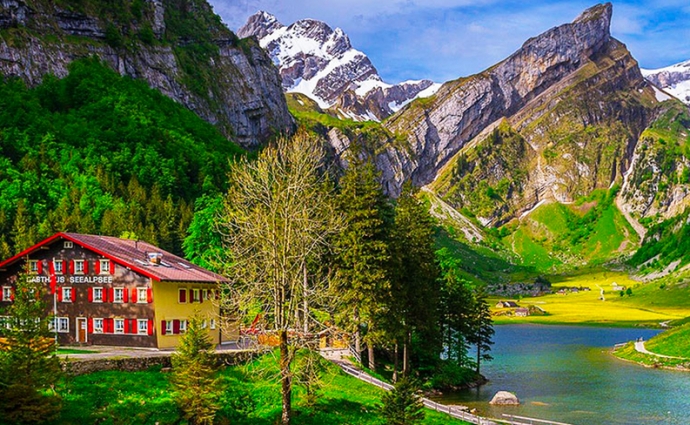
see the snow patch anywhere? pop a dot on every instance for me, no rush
(660, 95)
(429, 91)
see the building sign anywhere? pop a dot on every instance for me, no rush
(73, 279)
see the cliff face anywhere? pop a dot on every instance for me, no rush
(178, 46)
(318, 61)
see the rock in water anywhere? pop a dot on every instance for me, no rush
(505, 398)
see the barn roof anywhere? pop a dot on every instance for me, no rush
(131, 254)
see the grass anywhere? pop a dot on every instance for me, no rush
(629, 353)
(586, 308)
(674, 342)
(62, 351)
(252, 397)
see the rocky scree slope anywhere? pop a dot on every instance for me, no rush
(179, 47)
(320, 62)
(674, 79)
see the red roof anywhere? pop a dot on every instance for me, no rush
(131, 254)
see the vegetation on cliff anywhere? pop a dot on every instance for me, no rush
(99, 153)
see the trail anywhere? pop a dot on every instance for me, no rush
(640, 348)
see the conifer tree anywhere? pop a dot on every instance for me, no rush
(402, 405)
(29, 367)
(197, 390)
(482, 331)
(415, 289)
(362, 254)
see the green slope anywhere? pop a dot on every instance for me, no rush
(98, 153)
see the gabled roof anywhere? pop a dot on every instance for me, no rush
(131, 254)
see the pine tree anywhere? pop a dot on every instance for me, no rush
(482, 331)
(29, 367)
(197, 390)
(402, 405)
(415, 287)
(362, 251)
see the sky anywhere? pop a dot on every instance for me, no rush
(442, 40)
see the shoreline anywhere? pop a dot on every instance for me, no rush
(654, 361)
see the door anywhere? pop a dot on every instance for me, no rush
(81, 329)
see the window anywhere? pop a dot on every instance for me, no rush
(78, 266)
(204, 324)
(104, 266)
(205, 294)
(119, 326)
(69, 244)
(213, 323)
(5, 322)
(118, 295)
(183, 326)
(168, 327)
(142, 327)
(182, 295)
(196, 296)
(6, 293)
(33, 266)
(142, 295)
(57, 266)
(67, 295)
(98, 295)
(98, 326)
(63, 324)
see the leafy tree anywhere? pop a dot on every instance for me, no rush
(361, 251)
(308, 372)
(402, 405)
(277, 216)
(29, 367)
(197, 390)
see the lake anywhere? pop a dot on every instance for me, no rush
(566, 374)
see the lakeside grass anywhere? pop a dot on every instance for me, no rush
(629, 353)
(646, 307)
(252, 396)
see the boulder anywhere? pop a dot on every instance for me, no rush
(505, 398)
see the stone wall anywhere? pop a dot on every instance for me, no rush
(133, 364)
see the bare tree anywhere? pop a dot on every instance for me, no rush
(277, 216)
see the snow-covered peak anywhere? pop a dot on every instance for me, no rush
(320, 62)
(674, 79)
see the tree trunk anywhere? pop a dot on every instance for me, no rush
(479, 352)
(404, 368)
(305, 287)
(358, 340)
(406, 354)
(285, 378)
(372, 363)
(395, 363)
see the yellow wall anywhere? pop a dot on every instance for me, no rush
(167, 307)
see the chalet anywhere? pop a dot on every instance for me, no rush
(506, 304)
(521, 312)
(109, 291)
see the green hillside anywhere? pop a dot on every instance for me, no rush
(556, 236)
(98, 153)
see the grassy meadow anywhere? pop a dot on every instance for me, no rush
(252, 396)
(647, 306)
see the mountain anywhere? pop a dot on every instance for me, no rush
(320, 62)
(674, 79)
(179, 47)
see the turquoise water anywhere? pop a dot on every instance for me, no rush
(566, 374)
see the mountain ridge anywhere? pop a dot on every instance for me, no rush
(319, 61)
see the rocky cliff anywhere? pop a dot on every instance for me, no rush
(320, 62)
(178, 46)
(560, 117)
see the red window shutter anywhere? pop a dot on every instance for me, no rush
(90, 295)
(112, 294)
(12, 295)
(89, 324)
(40, 267)
(127, 326)
(149, 295)
(74, 294)
(183, 295)
(86, 266)
(71, 266)
(191, 296)
(105, 295)
(150, 327)
(176, 327)
(112, 267)
(162, 327)
(51, 267)
(97, 266)
(111, 325)
(134, 326)
(59, 294)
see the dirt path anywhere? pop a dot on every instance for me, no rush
(640, 348)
